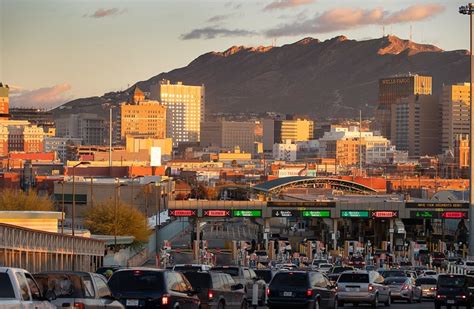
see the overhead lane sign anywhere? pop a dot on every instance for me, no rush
(316, 214)
(257, 213)
(213, 213)
(354, 213)
(385, 214)
(182, 213)
(308, 204)
(436, 205)
(285, 213)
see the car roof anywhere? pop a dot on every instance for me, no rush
(64, 272)
(143, 269)
(365, 272)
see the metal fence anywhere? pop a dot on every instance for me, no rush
(38, 251)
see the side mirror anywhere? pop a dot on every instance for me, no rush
(236, 287)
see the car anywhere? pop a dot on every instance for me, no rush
(333, 277)
(262, 256)
(392, 273)
(453, 290)
(369, 267)
(340, 269)
(74, 289)
(247, 277)
(315, 263)
(360, 286)
(325, 267)
(468, 265)
(191, 267)
(217, 290)
(403, 288)
(150, 288)
(265, 274)
(427, 286)
(357, 261)
(301, 288)
(18, 289)
(427, 273)
(438, 259)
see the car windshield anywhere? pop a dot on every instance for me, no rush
(65, 285)
(233, 271)
(325, 265)
(396, 281)
(260, 253)
(338, 270)
(451, 281)
(354, 278)
(469, 263)
(357, 259)
(136, 281)
(6, 288)
(426, 281)
(266, 275)
(290, 279)
(198, 280)
(182, 268)
(393, 273)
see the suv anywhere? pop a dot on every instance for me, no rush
(309, 289)
(362, 287)
(77, 289)
(191, 267)
(453, 290)
(151, 288)
(247, 277)
(217, 290)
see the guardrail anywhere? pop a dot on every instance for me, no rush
(38, 251)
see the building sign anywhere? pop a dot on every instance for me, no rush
(394, 81)
(436, 205)
(316, 214)
(247, 213)
(454, 215)
(284, 213)
(155, 156)
(216, 213)
(385, 214)
(182, 213)
(302, 204)
(424, 214)
(354, 213)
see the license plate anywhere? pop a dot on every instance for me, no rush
(451, 301)
(352, 289)
(132, 302)
(287, 294)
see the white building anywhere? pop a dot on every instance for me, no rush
(59, 145)
(285, 152)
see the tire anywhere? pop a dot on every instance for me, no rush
(388, 303)
(375, 303)
(221, 305)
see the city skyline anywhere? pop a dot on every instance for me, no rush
(88, 48)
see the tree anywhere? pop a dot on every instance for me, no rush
(17, 200)
(100, 219)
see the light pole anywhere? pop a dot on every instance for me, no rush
(74, 194)
(158, 213)
(62, 205)
(117, 193)
(133, 180)
(469, 10)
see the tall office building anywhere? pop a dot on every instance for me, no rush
(184, 109)
(89, 127)
(394, 88)
(146, 119)
(280, 131)
(415, 125)
(454, 113)
(4, 101)
(228, 134)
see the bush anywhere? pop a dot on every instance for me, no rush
(17, 200)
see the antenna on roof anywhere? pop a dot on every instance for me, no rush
(411, 33)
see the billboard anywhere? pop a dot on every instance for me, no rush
(155, 156)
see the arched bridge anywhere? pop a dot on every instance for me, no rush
(275, 186)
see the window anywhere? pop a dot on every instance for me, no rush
(6, 288)
(25, 293)
(102, 288)
(317, 280)
(35, 291)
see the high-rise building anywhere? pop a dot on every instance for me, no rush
(59, 145)
(415, 125)
(145, 118)
(228, 134)
(394, 88)
(285, 151)
(461, 152)
(89, 127)
(277, 131)
(4, 101)
(454, 113)
(184, 109)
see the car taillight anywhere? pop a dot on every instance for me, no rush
(165, 299)
(268, 291)
(309, 292)
(210, 294)
(405, 287)
(433, 289)
(79, 306)
(440, 296)
(371, 288)
(461, 296)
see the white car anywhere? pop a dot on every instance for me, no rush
(429, 273)
(468, 265)
(324, 267)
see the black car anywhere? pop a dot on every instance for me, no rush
(265, 274)
(301, 289)
(153, 288)
(453, 290)
(217, 290)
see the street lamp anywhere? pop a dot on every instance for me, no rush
(117, 193)
(133, 178)
(469, 10)
(74, 194)
(62, 205)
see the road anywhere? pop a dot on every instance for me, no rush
(396, 305)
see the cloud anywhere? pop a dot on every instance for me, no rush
(46, 97)
(218, 18)
(101, 13)
(347, 18)
(212, 33)
(232, 5)
(285, 4)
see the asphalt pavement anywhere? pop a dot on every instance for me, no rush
(396, 305)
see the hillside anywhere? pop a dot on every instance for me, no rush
(336, 77)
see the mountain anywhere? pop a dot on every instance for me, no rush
(332, 78)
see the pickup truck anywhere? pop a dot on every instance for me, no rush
(18, 289)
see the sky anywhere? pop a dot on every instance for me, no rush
(52, 51)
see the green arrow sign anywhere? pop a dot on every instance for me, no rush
(247, 213)
(317, 213)
(354, 214)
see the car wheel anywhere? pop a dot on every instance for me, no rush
(375, 303)
(388, 303)
(221, 305)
